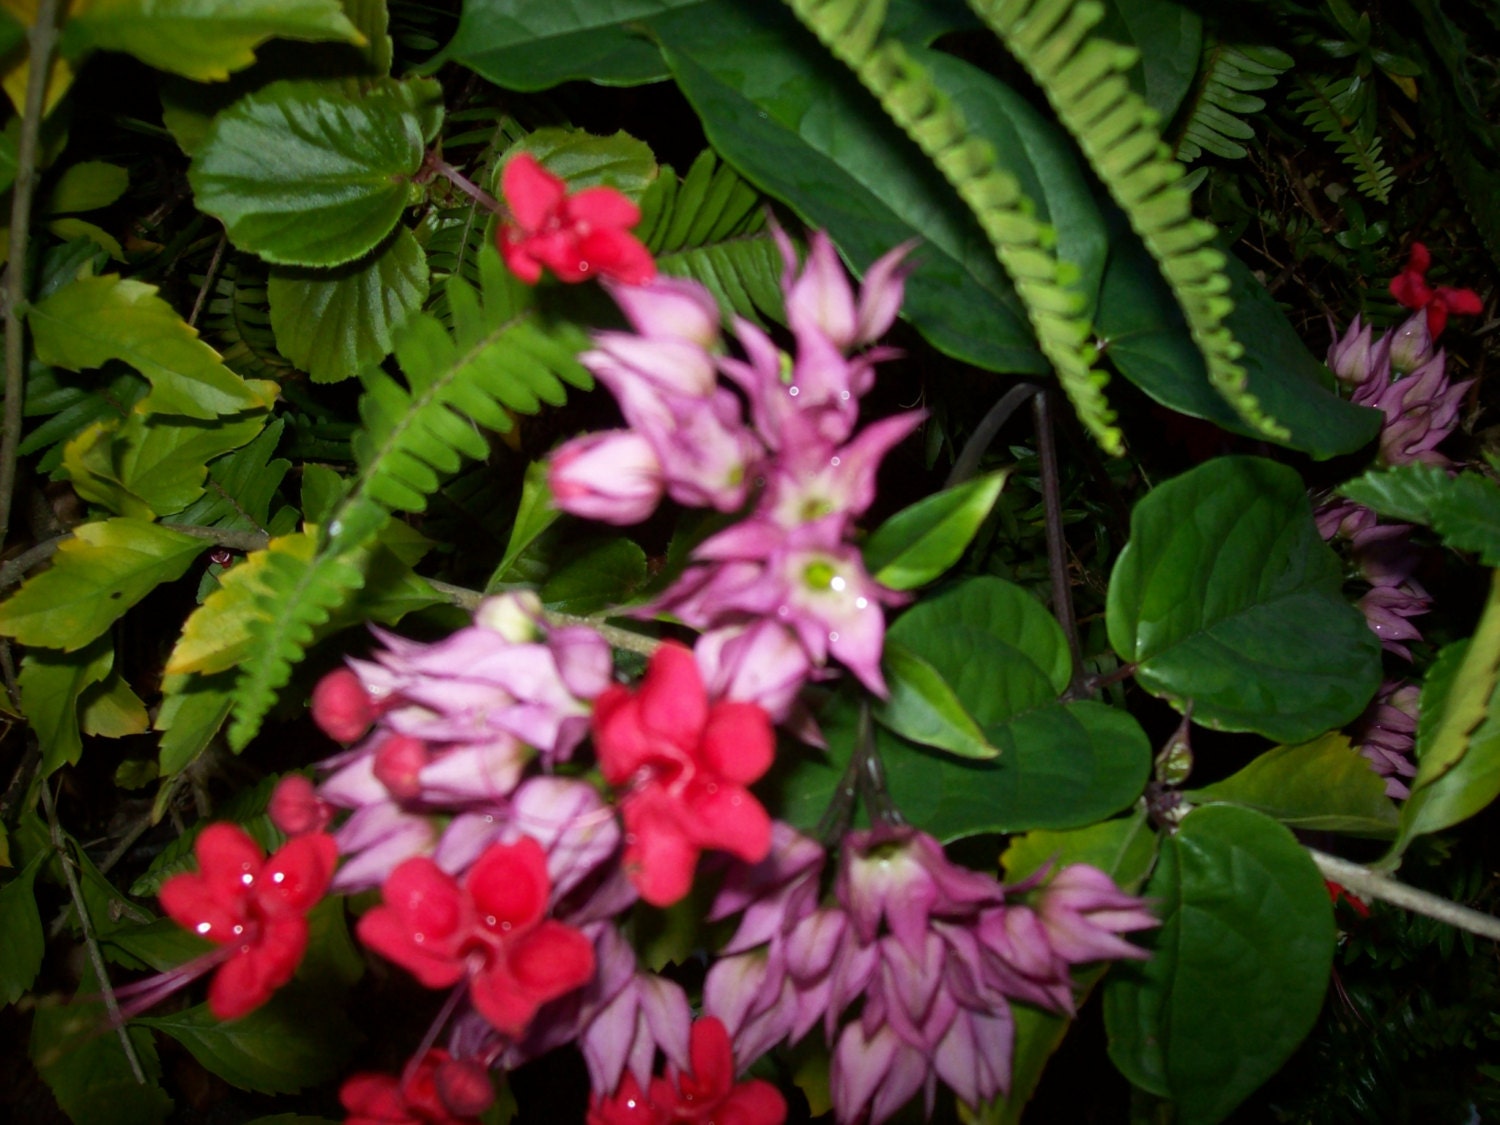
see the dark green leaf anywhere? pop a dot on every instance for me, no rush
(51, 683)
(1406, 492)
(1146, 338)
(924, 709)
(333, 323)
(1227, 597)
(585, 160)
(534, 44)
(341, 176)
(86, 186)
(22, 942)
(1238, 968)
(1464, 510)
(1123, 849)
(193, 709)
(796, 124)
(243, 486)
(289, 1043)
(535, 514)
(919, 543)
(1325, 785)
(1169, 37)
(602, 576)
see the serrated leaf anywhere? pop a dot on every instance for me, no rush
(151, 465)
(51, 683)
(242, 486)
(87, 1071)
(98, 574)
(1406, 492)
(342, 173)
(584, 160)
(1464, 510)
(286, 1045)
(86, 186)
(1238, 970)
(1325, 785)
(22, 942)
(334, 323)
(923, 708)
(96, 319)
(1227, 597)
(919, 543)
(217, 637)
(203, 39)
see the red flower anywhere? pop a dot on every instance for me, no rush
(257, 907)
(707, 1096)
(576, 237)
(687, 764)
(492, 930)
(1338, 891)
(425, 1095)
(1411, 289)
(341, 707)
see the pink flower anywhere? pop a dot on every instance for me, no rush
(1411, 289)
(704, 1095)
(253, 906)
(437, 1090)
(575, 236)
(493, 931)
(1083, 912)
(684, 764)
(613, 477)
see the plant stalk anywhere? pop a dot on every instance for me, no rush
(1371, 884)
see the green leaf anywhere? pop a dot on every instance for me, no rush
(103, 570)
(1005, 658)
(51, 683)
(535, 44)
(1464, 510)
(151, 465)
(289, 1043)
(923, 708)
(22, 943)
(244, 486)
(919, 543)
(1227, 598)
(1238, 970)
(247, 808)
(112, 710)
(585, 160)
(333, 323)
(534, 515)
(796, 124)
(342, 172)
(1325, 785)
(86, 1069)
(193, 708)
(86, 186)
(96, 319)
(1123, 849)
(600, 577)
(1168, 37)
(203, 39)
(1458, 748)
(1144, 335)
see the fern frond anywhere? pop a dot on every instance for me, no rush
(1084, 80)
(711, 226)
(237, 317)
(850, 29)
(1341, 109)
(1222, 98)
(499, 358)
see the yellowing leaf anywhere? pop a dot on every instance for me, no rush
(15, 78)
(113, 710)
(96, 319)
(217, 635)
(94, 578)
(86, 186)
(204, 39)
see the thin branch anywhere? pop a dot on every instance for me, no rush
(1371, 884)
(111, 1005)
(1057, 545)
(208, 280)
(43, 36)
(619, 638)
(984, 433)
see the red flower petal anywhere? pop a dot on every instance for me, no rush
(374, 1099)
(752, 1103)
(516, 252)
(341, 706)
(533, 194)
(296, 877)
(195, 906)
(629, 1106)
(1418, 259)
(617, 254)
(659, 856)
(229, 860)
(672, 700)
(246, 981)
(729, 817)
(551, 960)
(1411, 290)
(603, 207)
(1464, 302)
(509, 885)
(713, 1062)
(422, 923)
(738, 743)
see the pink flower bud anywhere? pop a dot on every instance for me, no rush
(613, 476)
(296, 809)
(341, 707)
(397, 764)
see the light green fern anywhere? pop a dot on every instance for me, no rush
(1222, 97)
(1084, 79)
(499, 358)
(851, 30)
(1343, 110)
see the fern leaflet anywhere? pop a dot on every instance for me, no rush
(1084, 80)
(1343, 110)
(850, 29)
(1222, 98)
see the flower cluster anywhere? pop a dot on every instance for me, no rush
(933, 953)
(784, 589)
(1404, 376)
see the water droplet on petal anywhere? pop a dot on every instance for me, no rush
(835, 462)
(837, 584)
(833, 637)
(203, 927)
(860, 603)
(418, 938)
(783, 611)
(793, 391)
